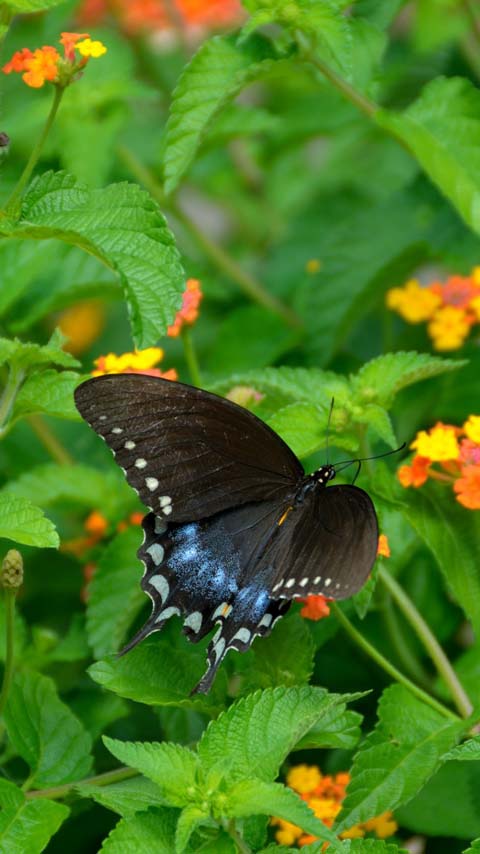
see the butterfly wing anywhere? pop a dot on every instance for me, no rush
(328, 544)
(188, 453)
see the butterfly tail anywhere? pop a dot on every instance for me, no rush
(149, 627)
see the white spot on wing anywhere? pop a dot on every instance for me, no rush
(167, 613)
(156, 552)
(161, 585)
(265, 621)
(317, 579)
(140, 463)
(328, 582)
(219, 612)
(103, 417)
(117, 430)
(164, 500)
(304, 581)
(129, 445)
(277, 586)
(243, 635)
(290, 582)
(160, 526)
(167, 510)
(151, 483)
(218, 648)
(194, 621)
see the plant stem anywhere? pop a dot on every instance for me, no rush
(9, 646)
(191, 356)
(423, 631)
(49, 440)
(13, 202)
(57, 792)
(471, 13)
(239, 842)
(14, 381)
(402, 648)
(216, 253)
(369, 108)
(387, 665)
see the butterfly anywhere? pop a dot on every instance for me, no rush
(236, 530)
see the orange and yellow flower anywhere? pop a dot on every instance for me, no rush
(324, 795)
(188, 314)
(451, 308)
(158, 16)
(138, 362)
(45, 64)
(315, 607)
(448, 454)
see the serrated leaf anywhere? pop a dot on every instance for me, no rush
(115, 595)
(256, 734)
(442, 129)
(122, 227)
(340, 728)
(27, 825)
(143, 833)
(468, 751)
(381, 379)
(159, 675)
(171, 766)
(189, 820)
(76, 484)
(125, 798)
(302, 426)
(49, 392)
(379, 422)
(285, 657)
(45, 733)
(30, 355)
(217, 72)
(398, 757)
(289, 385)
(252, 797)
(23, 522)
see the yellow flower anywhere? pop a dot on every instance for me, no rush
(471, 428)
(475, 275)
(355, 832)
(87, 48)
(313, 265)
(325, 808)
(304, 778)
(437, 444)
(82, 324)
(383, 825)
(139, 360)
(475, 306)
(288, 833)
(414, 303)
(449, 327)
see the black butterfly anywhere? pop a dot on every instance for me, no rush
(236, 528)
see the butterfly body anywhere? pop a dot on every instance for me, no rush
(236, 530)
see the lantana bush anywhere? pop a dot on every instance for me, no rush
(278, 202)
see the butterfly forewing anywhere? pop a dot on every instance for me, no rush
(189, 454)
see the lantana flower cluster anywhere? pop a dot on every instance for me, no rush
(449, 308)
(158, 16)
(45, 64)
(188, 314)
(137, 362)
(324, 794)
(449, 454)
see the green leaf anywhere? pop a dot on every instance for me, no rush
(475, 847)
(28, 6)
(27, 356)
(468, 751)
(268, 339)
(302, 426)
(78, 485)
(285, 657)
(49, 392)
(379, 422)
(369, 846)
(254, 797)
(217, 72)
(452, 533)
(125, 798)
(21, 264)
(381, 379)
(27, 825)
(45, 732)
(447, 805)
(339, 728)
(442, 129)
(255, 735)
(158, 674)
(398, 757)
(143, 833)
(189, 820)
(115, 595)
(25, 523)
(124, 228)
(172, 767)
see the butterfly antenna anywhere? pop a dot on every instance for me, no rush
(345, 463)
(328, 429)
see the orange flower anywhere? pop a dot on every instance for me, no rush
(82, 324)
(383, 549)
(315, 607)
(467, 487)
(188, 313)
(324, 795)
(45, 63)
(145, 16)
(449, 327)
(415, 474)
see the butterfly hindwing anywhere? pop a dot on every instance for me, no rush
(189, 454)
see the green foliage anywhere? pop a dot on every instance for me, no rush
(124, 229)
(398, 757)
(25, 523)
(27, 825)
(45, 733)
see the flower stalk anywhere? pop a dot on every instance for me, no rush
(11, 580)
